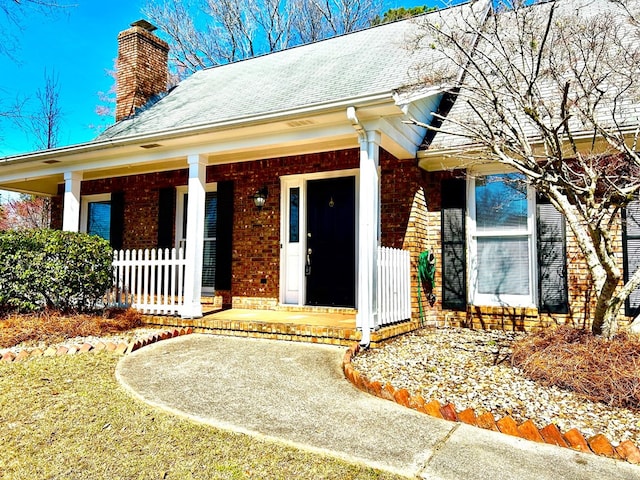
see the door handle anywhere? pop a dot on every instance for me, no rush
(307, 265)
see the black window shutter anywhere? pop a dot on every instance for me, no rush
(166, 214)
(116, 227)
(454, 262)
(224, 236)
(631, 250)
(552, 258)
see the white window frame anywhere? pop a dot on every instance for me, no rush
(84, 208)
(180, 238)
(476, 298)
(180, 193)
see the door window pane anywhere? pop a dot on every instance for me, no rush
(99, 219)
(294, 206)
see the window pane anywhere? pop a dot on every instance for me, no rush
(99, 219)
(501, 202)
(503, 266)
(211, 215)
(210, 236)
(294, 205)
(632, 217)
(209, 264)
(632, 253)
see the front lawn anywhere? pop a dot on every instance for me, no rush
(67, 417)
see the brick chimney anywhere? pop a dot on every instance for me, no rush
(141, 68)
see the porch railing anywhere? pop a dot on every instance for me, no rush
(151, 281)
(394, 285)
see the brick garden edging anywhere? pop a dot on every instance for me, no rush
(120, 348)
(598, 444)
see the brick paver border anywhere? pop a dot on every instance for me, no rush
(120, 348)
(598, 444)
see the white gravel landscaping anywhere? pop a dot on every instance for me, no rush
(471, 369)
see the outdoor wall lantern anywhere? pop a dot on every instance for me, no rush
(260, 197)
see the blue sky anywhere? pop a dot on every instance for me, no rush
(79, 45)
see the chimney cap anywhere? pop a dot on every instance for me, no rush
(149, 27)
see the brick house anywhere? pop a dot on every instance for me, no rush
(317, 132)
(521, 268)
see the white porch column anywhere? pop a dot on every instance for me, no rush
(71, 202)
(195, 237)
(368, 234)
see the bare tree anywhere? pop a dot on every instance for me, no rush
(552, 90)
(43, 124)
(13, 14)
(204, 33)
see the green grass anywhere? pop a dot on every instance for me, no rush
(67, 417)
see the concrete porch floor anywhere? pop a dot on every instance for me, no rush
(330, 327)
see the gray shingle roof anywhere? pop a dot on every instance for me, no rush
(368, 62)
(457, 127)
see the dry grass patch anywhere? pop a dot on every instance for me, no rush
(55, 327)
(601, 370)
(67, 417)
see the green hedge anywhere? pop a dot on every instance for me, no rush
(53, 269)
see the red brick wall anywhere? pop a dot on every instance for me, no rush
(141, 69)
(256, 235)
(399, 181)
(141, 197)
(581, 295)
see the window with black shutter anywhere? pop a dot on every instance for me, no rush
(116, 220)
(225, 235)
(631, 250)
(453, 212)
(166, 205)
(552, 258)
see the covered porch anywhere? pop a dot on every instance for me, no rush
(153, 283)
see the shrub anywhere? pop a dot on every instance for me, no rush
(52, 269)
(599, 369)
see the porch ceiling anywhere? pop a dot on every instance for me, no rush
(291, 134)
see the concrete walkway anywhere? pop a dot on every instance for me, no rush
(296, 393)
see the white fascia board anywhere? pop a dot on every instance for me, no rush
(462, 156)
(397, 138)
(401, 138)
(291, 141)
(406, 99)
(83, 148)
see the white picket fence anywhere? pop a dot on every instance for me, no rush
(394, 285)
(151, 281)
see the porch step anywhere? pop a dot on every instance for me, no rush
(326, 328)
(297, 326)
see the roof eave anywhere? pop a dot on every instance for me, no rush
(461, 156)
(240, 121)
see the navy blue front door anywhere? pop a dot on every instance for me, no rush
(330, 244)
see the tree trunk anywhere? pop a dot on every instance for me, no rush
(608, 305)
